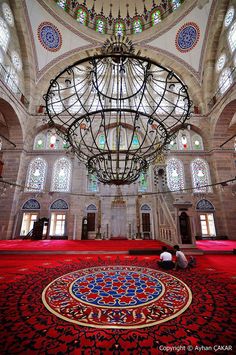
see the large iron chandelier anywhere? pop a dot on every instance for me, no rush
(117, 110)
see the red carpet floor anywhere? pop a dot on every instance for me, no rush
(27, 327)
(225, 245)
(78, 245)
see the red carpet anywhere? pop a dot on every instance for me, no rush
(78, 245)
(27, 327)
(216, 245)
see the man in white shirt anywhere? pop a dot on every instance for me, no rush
(181, 260)
(166, 259)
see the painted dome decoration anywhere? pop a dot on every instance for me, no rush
(187, 37)
(49, 36)
(119, 17)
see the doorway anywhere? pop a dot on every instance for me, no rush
(146, 225)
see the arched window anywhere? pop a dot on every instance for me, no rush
(58, 218)
(197, 143)
(4, 34)
(220, 62)
(229, 16)
(82, 16)
(175, 175)
(137, 26)
(7, 13)
(36, 175)
(200, 175)
(143, 183)
(225, 80)
(61, 175)
(232, 37)
(119, 29)
(100, 26)
(156, 17)
(92, 183)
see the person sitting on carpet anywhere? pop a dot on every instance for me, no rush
(181, 260)
(166, 259)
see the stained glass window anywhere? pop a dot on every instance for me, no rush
(101, 140)
(52, 140)
(137, 26)
(62, 4)
(184, 140)
(40, 141)
(175, 4)
(11, 79)
(49, 140)
(156, 17)
(173, 144)
(197, 142)
(100, 26)
(175, 175)
(92, 183)
(4, 34)
(200, 175)
(232, 37)
(7, 13)
(119, 29)
(82, 16)
(61, 175)
(229, 16)
(16, 61)
(225, 80)
(36, 175)
(135, 141)
(143, 183)
(220, 62)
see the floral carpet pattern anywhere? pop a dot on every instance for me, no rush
(28, 327)
(123, 297)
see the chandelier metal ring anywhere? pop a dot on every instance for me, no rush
(117, 111)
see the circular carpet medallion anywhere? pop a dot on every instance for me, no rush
(122, 297)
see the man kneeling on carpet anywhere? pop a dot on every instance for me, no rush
(181, 260)
(166, 259)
